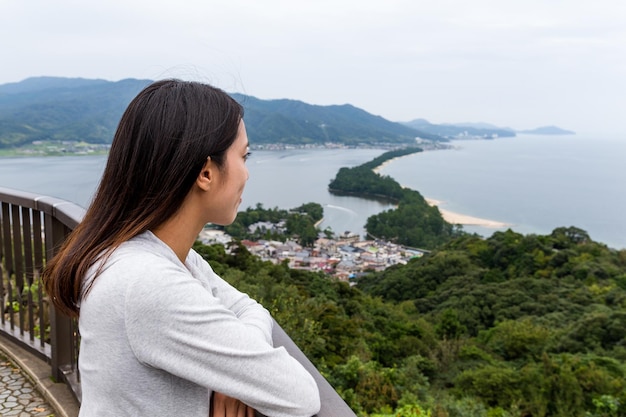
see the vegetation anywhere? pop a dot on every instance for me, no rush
(364, 182)
(299, 223)
(413, 223)
(511, 325)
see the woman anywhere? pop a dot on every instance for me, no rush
(159, 328)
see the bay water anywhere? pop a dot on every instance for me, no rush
(532, 183)
(278, 179)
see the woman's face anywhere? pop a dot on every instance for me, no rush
(230, 181)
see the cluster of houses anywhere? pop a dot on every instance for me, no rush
(345, 256)
(62, 147)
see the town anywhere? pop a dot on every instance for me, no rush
(345, 256)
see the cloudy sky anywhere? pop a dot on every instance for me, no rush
(514, 63)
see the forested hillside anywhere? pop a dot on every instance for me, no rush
(511, 325)
(63, 109)
(292, 121)
(75, 109)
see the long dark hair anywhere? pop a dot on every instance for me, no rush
(161, 144)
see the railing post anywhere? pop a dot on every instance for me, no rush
(60, 325)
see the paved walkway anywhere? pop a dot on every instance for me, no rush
(18, 396)
(26, 389)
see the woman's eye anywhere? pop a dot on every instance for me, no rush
(247, 155)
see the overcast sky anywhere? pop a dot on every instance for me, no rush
(513, 63)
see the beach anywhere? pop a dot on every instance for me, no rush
(384, 164)
(462, 219)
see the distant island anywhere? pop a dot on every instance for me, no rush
(547, 130)
(462, 130)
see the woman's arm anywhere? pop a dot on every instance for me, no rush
(177, 325)
(245, 308)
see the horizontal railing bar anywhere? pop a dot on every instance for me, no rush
(18, 197)
(26, 342)
(68, 213)
(331, 403)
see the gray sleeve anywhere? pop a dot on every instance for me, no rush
(245, 308)
(173, 323)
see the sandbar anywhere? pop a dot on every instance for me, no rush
(463, 219)
(384, 164)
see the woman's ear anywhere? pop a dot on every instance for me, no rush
(205, 178)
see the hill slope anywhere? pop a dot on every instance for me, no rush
(511, 325)
(73, 109)
(292, 121)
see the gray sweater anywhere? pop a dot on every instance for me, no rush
(158, 336)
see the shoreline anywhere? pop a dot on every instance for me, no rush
(464, 219)
(451, 216)
(384, 164)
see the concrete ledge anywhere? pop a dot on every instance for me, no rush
(58, 395)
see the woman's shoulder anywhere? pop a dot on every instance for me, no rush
(136, 259)
(144, 255)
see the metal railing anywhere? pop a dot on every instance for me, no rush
(32, 227)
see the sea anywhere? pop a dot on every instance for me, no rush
(532, 183)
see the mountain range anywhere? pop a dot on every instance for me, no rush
(78, 109)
